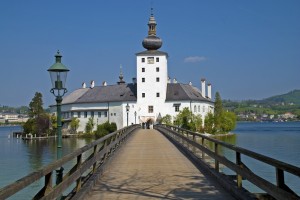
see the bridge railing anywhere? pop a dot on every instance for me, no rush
(192, 141)
(96, 153)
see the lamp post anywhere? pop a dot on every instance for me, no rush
(58, 74)
(127, 111)
(134, 117)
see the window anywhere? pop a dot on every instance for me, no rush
(92, 114)
(105, 113)
(177, 107)
(150, 60)
(111, 114)
(85, 114)
(157, 79)
(157, 94)
(72, 114)
(157, 69)
(143, 69)
(150, 109)
(99, 114)
(143, 80)
(157, 59)
(143, 60)
(114, 114)
(203, 109)
(195, 108)
(143, 95)
(198, 108)
(78, 114)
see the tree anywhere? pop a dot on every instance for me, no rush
(74, 124)
(167, 119)
(228, 122)
(198, 123)
(218, 111)
(184, 119)
(209, 123)
(89, 125)
(105, 128)
(38, 122)
(36, 106)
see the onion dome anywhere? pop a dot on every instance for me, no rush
(152, 42)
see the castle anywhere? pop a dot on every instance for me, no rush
(149, 97)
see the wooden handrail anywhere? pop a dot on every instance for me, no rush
(113, 140)
(279, 191)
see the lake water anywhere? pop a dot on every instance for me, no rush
(18, 158)
(277, 140)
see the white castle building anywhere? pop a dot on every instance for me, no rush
(149, 97)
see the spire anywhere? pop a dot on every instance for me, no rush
(152, 42)
(152, 24)
(121, 81)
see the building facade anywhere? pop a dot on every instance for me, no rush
(149, 97)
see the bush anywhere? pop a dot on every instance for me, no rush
(105, 128)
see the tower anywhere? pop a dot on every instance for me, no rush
(152, 75)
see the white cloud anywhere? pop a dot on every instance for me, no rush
(194, 59)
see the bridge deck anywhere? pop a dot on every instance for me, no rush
(150, 167)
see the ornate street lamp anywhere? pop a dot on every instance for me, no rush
(58, 74)
(127, 111)
(134, 117)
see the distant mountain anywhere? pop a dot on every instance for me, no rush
(292, 97)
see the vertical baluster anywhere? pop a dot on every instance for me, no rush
(94, 154)
(280, 178)
(239, 163)
(202, 143)
(194, 139)
(48, 183)
(216, 161)
(78, 182)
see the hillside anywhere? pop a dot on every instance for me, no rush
(272, 108)
(292, 97)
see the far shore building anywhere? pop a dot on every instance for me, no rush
(150, 96)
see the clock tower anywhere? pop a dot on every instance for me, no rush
(152, 76)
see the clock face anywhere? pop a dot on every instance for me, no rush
(150, 60)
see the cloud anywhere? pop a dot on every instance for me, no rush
(194, 59)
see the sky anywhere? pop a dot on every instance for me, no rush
(245, 49)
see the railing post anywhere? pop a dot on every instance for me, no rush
(48, 183)
(78, 182)
(216, 161)
(194, 148)
(94, 154)
(202, 143)
(239, 163)
(280, 178)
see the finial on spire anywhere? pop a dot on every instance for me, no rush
(121, 81)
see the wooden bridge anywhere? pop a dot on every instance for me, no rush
(166, 163)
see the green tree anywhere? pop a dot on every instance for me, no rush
(228, 122)
(74, 124)
(167, 119)
(198, 123)
(36, 106)
(39, 121)
(105, 128)
(184, 119)
(218, 111)
(209, 123)
(89, 125)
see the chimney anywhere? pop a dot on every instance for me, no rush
(174, 80)
(83, 85)
(190, 83)
(209, 90)
(134, 80)
(169, 79)
(104, 83)
(203, 87)
(92, 84)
